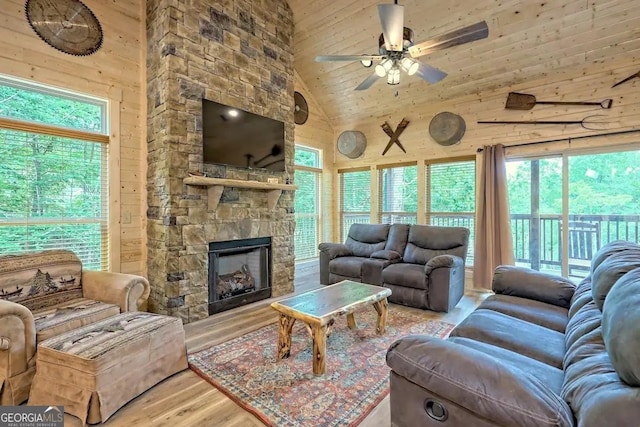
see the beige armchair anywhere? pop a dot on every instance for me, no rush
(43, 294)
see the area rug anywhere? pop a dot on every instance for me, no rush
(286, 393)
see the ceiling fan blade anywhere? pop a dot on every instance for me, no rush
(392, 22)
(330, 58)
(463, 35)
(430, 74)
(368, 82)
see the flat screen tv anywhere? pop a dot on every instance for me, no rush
(231, 136)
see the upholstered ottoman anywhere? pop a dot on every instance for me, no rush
(96, 369)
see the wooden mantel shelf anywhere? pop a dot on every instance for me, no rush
(216, 186)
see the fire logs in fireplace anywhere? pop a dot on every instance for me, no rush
(236, 283)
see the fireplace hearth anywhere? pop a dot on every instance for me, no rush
(239, 273)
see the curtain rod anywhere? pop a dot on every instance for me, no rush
(479, 150)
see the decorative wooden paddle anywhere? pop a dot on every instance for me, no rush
(394, 135)
(524, 101)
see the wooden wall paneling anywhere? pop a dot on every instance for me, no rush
(115, 68)
(527, 41)
(317, 132)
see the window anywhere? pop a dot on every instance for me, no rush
(53, 180)
(398, 202)
(450, 199)
(307, 174)
(600, 205)
(355, 199)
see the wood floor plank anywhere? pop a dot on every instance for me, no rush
(187, 400)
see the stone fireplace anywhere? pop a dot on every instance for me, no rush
(234, 52)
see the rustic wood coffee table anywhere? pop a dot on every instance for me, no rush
(319, 308)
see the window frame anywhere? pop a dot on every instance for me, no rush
(110, 119)
(342, 212)
(380, 212)
(428, 212)
(318, 196)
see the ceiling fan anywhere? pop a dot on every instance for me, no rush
(397, 50)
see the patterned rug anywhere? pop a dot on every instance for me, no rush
(286, 393)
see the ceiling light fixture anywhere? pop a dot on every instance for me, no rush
(367, 63)
(383, 67)
(393, 78)
(233, 113)
(410, 66)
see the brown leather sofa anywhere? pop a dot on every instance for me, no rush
(45, 294)
(423, 265)
(540, 352)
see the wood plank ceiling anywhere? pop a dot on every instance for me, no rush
(528, 41)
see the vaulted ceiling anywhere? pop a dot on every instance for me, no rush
(528, 41)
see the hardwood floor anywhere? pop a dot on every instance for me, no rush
(187, 400)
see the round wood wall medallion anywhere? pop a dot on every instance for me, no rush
(67, 25)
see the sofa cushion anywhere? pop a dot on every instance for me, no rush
(609, 249)
(531, 284)
(365, 239)
(550, 376)
(586, 319)
(397, 240)
(426, 241)
(531, 340)
(610, 270)
(348, 266)
(407, 275)
(41, 279)
(543, 314)
(621, 327)
(53, 321)
(498, 392)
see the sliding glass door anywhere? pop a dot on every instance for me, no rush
(596, 195)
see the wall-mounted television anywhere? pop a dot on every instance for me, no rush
(231, 136)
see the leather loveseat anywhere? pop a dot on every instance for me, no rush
(540, 352)
(423, 265)
(45, 294)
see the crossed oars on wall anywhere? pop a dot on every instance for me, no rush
(394, 135)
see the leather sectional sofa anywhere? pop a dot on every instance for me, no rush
(423, 265)
(540, 352)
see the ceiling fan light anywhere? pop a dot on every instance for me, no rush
(383, 67)
(366, 63)
(410, 66)
(393, 78)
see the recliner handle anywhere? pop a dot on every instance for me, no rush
(436, 410)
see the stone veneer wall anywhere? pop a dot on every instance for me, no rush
(238, 53)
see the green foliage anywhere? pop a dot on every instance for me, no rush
(51, 187)
(399, 189)
(356, 191)
(50, 109)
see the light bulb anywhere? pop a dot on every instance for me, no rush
(410, 66)
(366, 63)
(384, 66)
(393, 78)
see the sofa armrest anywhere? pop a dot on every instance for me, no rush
(388, 255)
(128, 291)
(484, 385)
(526, 283)
(17, 338)
(443, 261)
(334, 250)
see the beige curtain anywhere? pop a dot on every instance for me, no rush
(494, 244)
